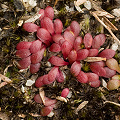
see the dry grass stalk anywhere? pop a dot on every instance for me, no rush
(94, 59)
(107, 27)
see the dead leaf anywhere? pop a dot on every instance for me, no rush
(3, 116)
(33, 18)
(79, 2)
(104, 13)
(117, 104)
(61, 99)
(82, 105)
(42, 94)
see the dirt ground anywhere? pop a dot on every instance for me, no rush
(16, 105)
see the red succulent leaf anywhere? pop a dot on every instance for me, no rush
(69, 36)
(43, 34)
(75, 68)
(65, 92)
(57, 61)
(39, 82)
(60, 76)
(72, 56)
(107, 53)
(52, 74)
(47, 23)
(30, 27)
(77, 43)
(23, 53)
(34, 68)
(23, 45)
(58, 26)
(24, 63)
(82, 77)
(57, 38)
(42, 12)
(98, 41)
(37, 57)
(88, 40)
(95, 83)
(45, 80)
(109, 72)
(46, 110)
(92, 77)
(93, 52)
(82, 54)
(35, 47)
(66, 48)
(38, 99)
(101, 63)
(100, 71)
(49, 101)
(55, 47)
(75, 28)
(49, 12)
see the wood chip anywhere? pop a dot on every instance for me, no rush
(42, 94)
(82, 105)
(94, 59)
(61, 99)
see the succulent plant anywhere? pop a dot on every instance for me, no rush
(50, 34)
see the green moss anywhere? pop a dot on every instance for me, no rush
(45, 53)
(29, 92)
(86, 67)
(8, 42)
(7, 74)
(82, 45)
(83, 114)
(15, 80)
(87, 21)
(13, 24)
(16, 94)
(70, 111)
(67, 23)
(5, 49)
(77, 101)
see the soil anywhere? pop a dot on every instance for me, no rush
(16, 105)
